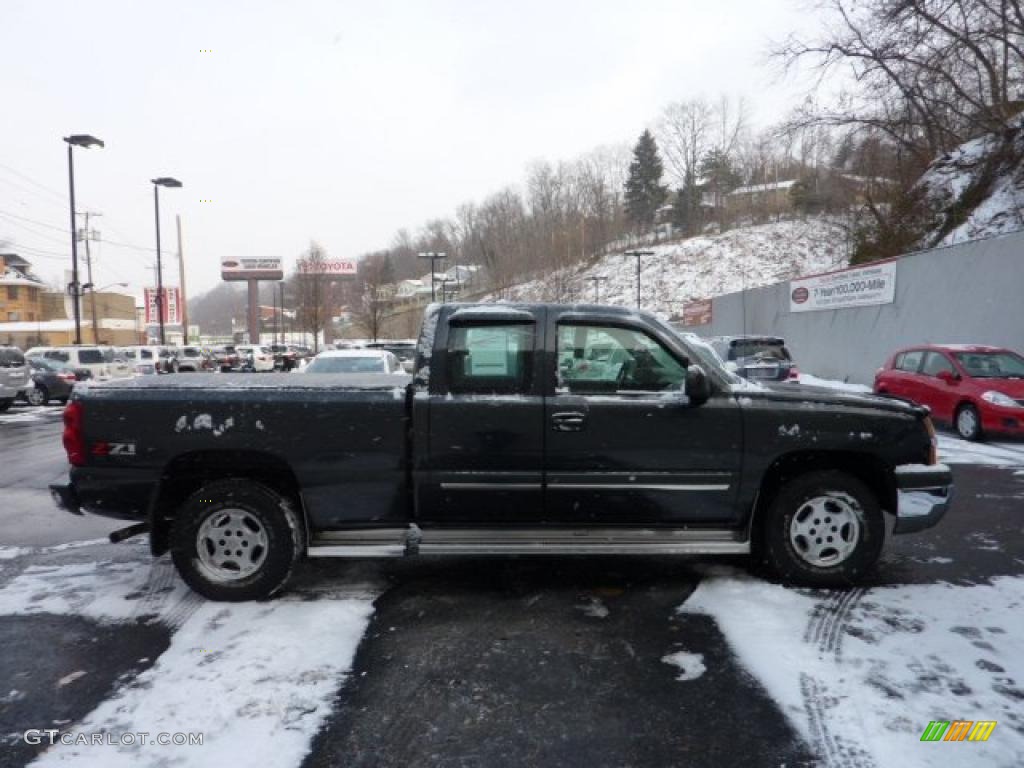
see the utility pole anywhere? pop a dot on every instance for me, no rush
(638, 254)
(181, 285)
(597, 290)
(86, 235)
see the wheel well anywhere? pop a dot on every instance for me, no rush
(869, 469)
(962, 403)
(189, 472)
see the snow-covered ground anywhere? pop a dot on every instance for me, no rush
(953, 450)
(254, 678)
(861, 673)
(699, 267)
(1000, 210)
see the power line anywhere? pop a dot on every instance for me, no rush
(116, 244)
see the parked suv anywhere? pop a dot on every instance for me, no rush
(14, 376)
(150, 359)
(760, 358)
(194, 359)
(976, 389)
(102, 362)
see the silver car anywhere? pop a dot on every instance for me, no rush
(14, 375)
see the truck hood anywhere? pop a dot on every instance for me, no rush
(802, 393)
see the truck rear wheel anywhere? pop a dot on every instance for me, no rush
(823, 529)
(236, 540)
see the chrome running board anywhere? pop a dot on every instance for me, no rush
(395, 542)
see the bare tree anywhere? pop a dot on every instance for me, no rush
(377, 290)
(313, 294)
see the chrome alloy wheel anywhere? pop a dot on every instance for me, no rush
(231, 545)
(825, 530)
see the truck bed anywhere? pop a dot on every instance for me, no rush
(343, 440)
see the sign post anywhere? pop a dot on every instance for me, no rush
(252, 270)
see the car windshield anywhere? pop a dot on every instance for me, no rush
(347, 365)
(992, 365)
(90, 356)
(758, 349)
(190, 352)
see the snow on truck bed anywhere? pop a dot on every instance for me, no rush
(261, 381)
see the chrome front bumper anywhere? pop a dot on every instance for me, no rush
(923, 496)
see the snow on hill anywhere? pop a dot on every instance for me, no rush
(978, 188)
(699, 267)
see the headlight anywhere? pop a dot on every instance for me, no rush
(998, 398)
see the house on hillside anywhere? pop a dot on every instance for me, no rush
(771, 198)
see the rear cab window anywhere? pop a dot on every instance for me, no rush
(487, 359)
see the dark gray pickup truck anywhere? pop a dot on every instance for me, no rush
(525, 429)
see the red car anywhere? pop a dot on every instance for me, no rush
(976, 389)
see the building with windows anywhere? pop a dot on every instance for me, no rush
(20, 290)
(30, 315)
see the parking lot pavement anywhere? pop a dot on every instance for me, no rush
(513, 661)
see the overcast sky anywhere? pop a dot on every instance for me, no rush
(333, 120)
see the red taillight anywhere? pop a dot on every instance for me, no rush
(74, 440)
(794, 373)
(66, 376)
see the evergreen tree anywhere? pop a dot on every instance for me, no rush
(719, 174)
(644, 191)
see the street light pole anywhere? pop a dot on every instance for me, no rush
(76, 140)
(163, 181)
(434, 256)
(597, 291)
(638, 254)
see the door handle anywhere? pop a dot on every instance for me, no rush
(568, 421)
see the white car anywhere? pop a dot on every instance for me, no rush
(102, 362)
(355, 361)
(255, 357)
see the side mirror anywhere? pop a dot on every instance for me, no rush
(697, 387)
(947, 376)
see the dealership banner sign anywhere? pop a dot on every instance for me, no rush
(328, 266)
(171, 306)
(855, 287)
(244, 268)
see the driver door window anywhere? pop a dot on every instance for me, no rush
(609, 360)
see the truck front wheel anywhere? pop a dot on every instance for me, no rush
(236, 540)
(823, 529)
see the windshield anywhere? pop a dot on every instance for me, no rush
(991, 365)
(90, 356)
(347, 365)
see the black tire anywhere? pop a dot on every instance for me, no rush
(261, 515)
(967, 422)
(5, 404)
(830, 510)
(38, 395)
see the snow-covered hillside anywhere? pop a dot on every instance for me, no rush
(981, 185)
(699, 267)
